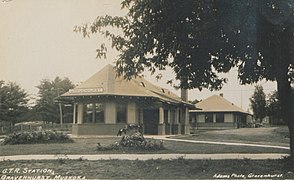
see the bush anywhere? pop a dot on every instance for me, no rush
(135, 141)
(37, 137)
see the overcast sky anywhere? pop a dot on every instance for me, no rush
(37, 42)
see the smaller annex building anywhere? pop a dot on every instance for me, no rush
(105, 103)
(216, 112)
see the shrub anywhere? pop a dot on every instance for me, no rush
(135, 141)
(37, 137)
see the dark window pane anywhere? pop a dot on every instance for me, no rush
(121, 112)
(165, 116)
(99, 116)
(88, 111)
(209, 118)
(220, 117)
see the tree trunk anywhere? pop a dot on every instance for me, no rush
(291, 128)
(291, 132)
(286, 97)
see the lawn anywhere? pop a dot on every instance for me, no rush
(88, 146)
(157, 169)
(271, 136)
(151, 169)
(264, 135)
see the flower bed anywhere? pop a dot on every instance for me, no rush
(37, 137)
(135, 141)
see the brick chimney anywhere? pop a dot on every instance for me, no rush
(184, 94)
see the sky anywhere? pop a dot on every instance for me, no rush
(37, 42)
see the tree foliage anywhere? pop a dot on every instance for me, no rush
(273, 108)
(157, 34)
(47, 106)
(13, 102)
(258, 103)
(199, 39)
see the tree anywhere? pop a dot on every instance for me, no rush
(47, 106)
(273, 108)
(199, 39)
(258, 103)
(13, 102)
(157, 34)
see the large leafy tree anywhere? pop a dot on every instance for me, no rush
(48, 108)
(258, 103)
(13, 102)
(157, 34)
(200, 38)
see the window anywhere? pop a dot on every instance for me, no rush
(88, 111)
(209, 118)
(93, 112)
(192, 118)
(165, 116)
(99, 116)
(180, 115)
(140, 116)
(121, 112)
(173, 116)
(220, 117)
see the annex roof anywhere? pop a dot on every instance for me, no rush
(217, 103)
(105, 82)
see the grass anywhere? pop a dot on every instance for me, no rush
(265, 135)
(158, 169)
(272, 136)
(88, 146)
(154, 169)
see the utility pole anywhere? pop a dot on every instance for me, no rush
(60, 108)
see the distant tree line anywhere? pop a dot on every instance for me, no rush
(268, 105)
(15, 102)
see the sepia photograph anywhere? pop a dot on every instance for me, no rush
(146, 89)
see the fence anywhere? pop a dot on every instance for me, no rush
(35, 127)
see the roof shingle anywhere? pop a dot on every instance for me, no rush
(105, 82)
(216, 103)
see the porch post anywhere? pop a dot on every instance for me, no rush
(177, 125)
(186, 121)
(169, 121)
(141, 119)
(161, 126)
(74, 113)
(214, 118)
(131, 113)
(110, 113)
(80, 113)
(141, 116)
(93, 112)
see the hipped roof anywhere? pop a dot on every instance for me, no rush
(216, 103)
(105, 82)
